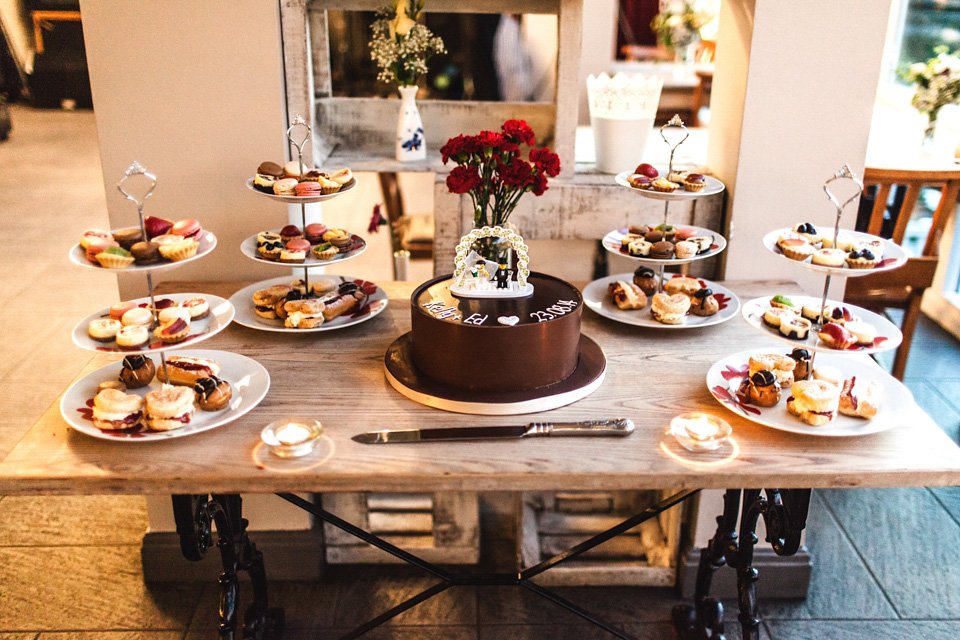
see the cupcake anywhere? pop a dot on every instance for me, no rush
(861, 259)
(694, 182)
(115, 258)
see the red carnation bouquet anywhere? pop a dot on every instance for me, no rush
(490, 168)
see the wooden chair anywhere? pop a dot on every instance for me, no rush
(903, 288)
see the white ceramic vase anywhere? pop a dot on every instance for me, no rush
(410, 143)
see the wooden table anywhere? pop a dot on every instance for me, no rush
(338, 377)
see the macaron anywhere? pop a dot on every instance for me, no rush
(270, 169)
(117, 310)
(188, 228)
(292, 169)
(298, 244)
(285, 187)
(145, 252)
(314, 232)
(308, 189)
(290, 232)
(96, 245)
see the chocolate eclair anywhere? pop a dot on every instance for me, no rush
(213, 393)
(137, 371)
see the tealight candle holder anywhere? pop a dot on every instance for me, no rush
(698, 431)
(291, 437)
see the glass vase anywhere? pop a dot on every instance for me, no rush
(929, 143)
(410, 143)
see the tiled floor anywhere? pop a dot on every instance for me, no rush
(885, 560)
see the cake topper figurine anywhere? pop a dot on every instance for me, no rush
(472, 273)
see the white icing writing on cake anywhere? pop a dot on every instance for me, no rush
(441, 311)
(557, 309)
(475, 318)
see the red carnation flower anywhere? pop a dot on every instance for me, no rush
(463, 178)
(516, 174)
(518, 131)
(539, 184)
(490, 139)
(547, 161)
(452, 149)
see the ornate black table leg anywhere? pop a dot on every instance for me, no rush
(196, 516)
(704, 620)
(784, 513)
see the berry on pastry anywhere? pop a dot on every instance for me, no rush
(627, 295)
(648, 170)
(104, 329)
(169, 407)
(271, 249)
(876, 247)
(808, 231)
(763, 389)
(137, 371)
(704, 303)
(803, 359)
(184, 370)
(836, 336)
(860, 398)
(813, 401)
(639, 181)
(670, 309)
(795, 328)
(172, 331)
(840, 315)
(113, 409)
(861, 259)
(694, 182)
(684, 284)
(213, 394)
(646, 279)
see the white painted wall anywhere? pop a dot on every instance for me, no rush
(808, 94)
(195, 92)
(599, 44)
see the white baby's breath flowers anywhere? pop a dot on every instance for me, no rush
(400, 45)
(937, 82)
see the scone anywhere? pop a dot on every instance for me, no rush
(813, 401)
(670, 309)
(113, 409)
(169, 407)
(685, 285)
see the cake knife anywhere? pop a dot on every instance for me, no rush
(615, 427)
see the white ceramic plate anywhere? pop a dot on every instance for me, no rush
(207, 242)
(249, 248)
(612, 243)
(713, 186)
(888, 335)
(249, 379)
(243, 302)
(221, 313)
(897, 407)
(893, 254)
(303, 199)
(595, 296)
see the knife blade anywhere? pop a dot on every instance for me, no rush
(614, 427)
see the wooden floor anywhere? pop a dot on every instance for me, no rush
(886, 561)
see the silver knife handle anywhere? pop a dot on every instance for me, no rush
(615, 427)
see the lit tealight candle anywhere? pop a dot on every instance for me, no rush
(699, 431)
(291, 438)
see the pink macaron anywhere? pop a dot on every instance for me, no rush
(309, 189)
(117, 310)
(298, 244)
(188, 228)
(314, 232)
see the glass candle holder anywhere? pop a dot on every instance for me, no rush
(291, 437)
(698, 431)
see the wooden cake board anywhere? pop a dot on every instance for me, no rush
(404, 377)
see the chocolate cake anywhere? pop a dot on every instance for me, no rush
(497, 344)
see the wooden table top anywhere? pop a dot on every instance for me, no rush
(652, 375)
